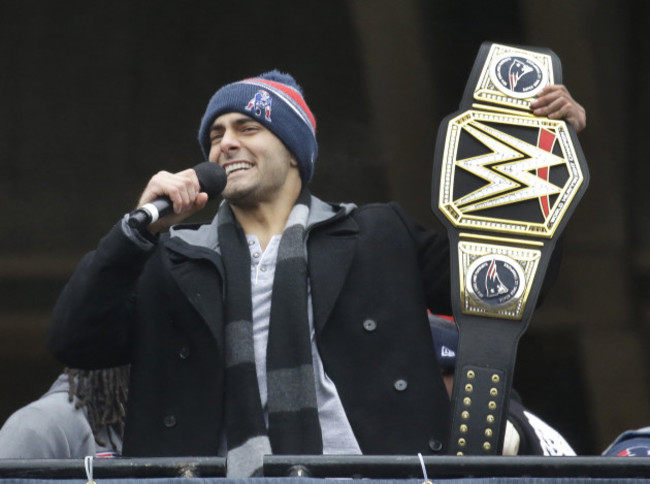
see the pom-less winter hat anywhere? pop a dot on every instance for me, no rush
(632, 443)
(275, 100)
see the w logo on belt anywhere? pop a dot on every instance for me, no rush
(508, 173)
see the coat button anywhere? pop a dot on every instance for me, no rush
(369, 325)
(435, 445)
(400, 385)
(184, 353)
(169, 421)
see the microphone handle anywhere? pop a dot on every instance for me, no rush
(150, 212)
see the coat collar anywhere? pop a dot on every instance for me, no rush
(206, 235)
(331, 241)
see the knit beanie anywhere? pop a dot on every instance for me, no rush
(275, 100)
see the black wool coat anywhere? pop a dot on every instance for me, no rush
(373, 274)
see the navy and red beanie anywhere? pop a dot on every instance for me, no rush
(275, 100)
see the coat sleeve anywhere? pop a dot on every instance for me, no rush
(93, 317)
(433, 257)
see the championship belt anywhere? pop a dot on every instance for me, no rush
(504, 184)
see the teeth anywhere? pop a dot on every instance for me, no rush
(237, 166)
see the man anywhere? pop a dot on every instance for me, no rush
(287, 325)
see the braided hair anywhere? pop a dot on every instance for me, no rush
(103, 394)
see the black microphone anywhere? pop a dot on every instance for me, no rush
(212, 179)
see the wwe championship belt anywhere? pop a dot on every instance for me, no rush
(504, 184)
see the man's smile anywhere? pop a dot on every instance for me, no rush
(237, 166)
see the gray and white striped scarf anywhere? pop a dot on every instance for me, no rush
(294, 427)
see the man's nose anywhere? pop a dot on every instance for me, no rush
(229, 141)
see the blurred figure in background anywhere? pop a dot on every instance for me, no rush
(81, 414)
(631, 443)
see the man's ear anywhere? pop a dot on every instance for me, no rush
(293, 162)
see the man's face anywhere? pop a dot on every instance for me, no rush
(258, 165)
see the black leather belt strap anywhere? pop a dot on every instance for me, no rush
(504, 184)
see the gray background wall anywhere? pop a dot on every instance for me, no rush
(95, 96)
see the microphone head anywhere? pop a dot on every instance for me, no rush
(212, 178)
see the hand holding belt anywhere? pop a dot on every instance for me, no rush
(504, 184)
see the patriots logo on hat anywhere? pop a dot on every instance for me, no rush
(261, 103)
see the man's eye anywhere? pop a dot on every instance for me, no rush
(215, 138)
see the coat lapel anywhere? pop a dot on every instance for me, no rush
(331, 251)
(198, 271)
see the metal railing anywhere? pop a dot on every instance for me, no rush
(371, 467)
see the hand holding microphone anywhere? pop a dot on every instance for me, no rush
(183, 194)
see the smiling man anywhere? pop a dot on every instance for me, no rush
(287, 325)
